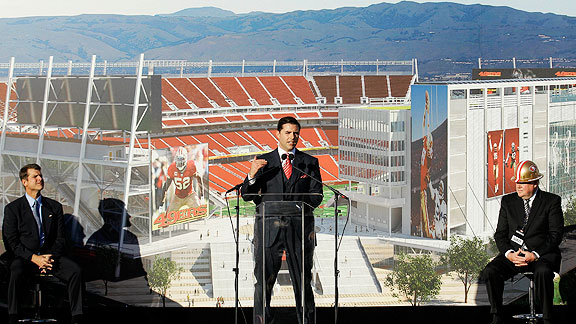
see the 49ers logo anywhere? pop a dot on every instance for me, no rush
(179, 216)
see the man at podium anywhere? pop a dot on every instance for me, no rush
(284, 175)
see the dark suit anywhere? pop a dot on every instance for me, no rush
(285, 231)
(543, 235)
(21, 239)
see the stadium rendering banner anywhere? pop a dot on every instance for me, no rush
(429, 157)
(495, 74)
(562, 166)
(180, 181)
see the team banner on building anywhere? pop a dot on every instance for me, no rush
(494, 74)
(180, 181)
(511, 158)
(495, 172)
(429, 216)
(503, 155)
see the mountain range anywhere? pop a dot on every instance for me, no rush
(430, 32)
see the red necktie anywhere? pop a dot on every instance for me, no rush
(287, 167)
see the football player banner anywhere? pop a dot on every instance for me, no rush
(180, 185)
(494, 171)
(511, 158)
(429, 214)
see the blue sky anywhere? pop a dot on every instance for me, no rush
(152, 7)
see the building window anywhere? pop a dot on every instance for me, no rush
(509, 91)
(397, 126)
(458, 94)
(476, 93)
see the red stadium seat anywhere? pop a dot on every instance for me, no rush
(301, 88)
(256, 91)
(278, 90)
(210, 91)
(233, 90)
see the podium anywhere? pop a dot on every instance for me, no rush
(284, 233)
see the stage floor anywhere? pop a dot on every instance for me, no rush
(346, 315)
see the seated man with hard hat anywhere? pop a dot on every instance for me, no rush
(529, 231)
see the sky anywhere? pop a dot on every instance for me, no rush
(10, 8)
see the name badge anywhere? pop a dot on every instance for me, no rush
(518, 238)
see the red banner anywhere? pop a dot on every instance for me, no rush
(494, 172)
(511, 158)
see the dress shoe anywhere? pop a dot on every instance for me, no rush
(12, 319)
(497, 319)
(76, 319)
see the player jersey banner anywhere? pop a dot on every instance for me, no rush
(511, 158)
(494, 176)
(429, 162)
(180, 182)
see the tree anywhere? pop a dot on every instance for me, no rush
(160, 277)
(466, 257)
(570, 213)
(414, 279)
(107, 259)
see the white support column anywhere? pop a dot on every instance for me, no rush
(304, 68)
(85, 125)
(210, 68)
(69, 68)
(274, 69)
(389, 221)
(44, 110)
(479, 62)
(5, 115)
(551, 62)
(341, 67)
(378, 68)
(105, 67)
(367, 216)
(415, 70)
(243, 64)
(128, 177)
(150, 206)
(514, 62)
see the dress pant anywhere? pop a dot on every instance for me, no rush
(501, 269)
(289, 240)
(64, 269)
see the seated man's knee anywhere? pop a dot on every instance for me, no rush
(490, 271)
(544, 272)
(18, 266)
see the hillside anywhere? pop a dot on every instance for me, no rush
(406, 30)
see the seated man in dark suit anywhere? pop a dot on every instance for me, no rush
(33, 234)
(273, 177)
(528, 235)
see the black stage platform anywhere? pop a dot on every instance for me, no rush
(352, 315)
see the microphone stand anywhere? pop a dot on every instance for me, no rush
(236, 268)
(337, 196)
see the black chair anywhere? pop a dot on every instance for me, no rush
(532, 317)
(38, 280)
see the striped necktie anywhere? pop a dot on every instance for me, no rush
(287, 167)
(526, 213)
(38, 216)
